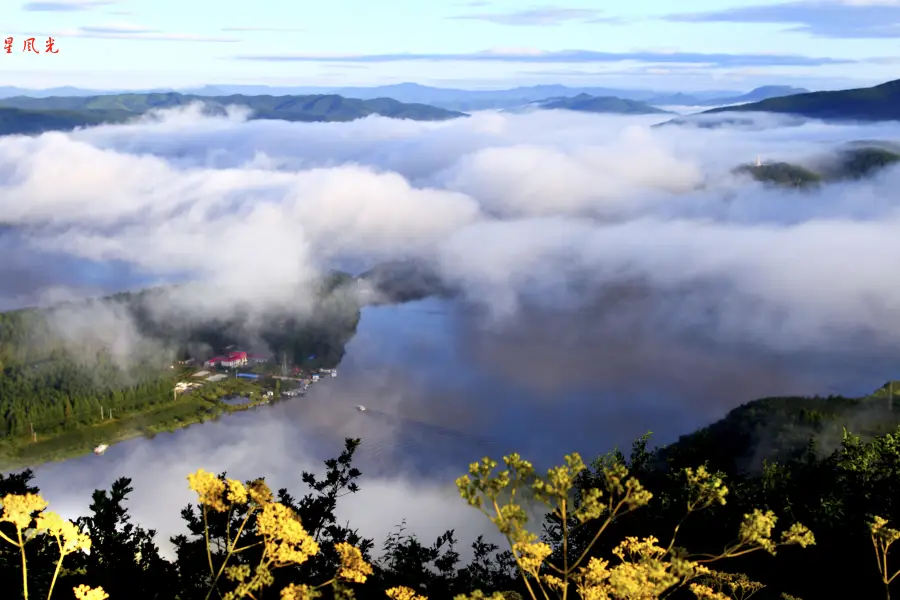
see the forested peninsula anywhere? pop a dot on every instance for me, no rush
(65, 388)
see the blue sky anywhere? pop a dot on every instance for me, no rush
(692, 44)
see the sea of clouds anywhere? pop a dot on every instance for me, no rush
(624, 243)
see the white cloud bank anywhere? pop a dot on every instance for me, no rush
(503, 202)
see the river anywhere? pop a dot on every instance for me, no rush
(443, 388)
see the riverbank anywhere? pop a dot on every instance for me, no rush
(183, 411)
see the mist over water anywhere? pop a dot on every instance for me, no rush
(442, 389)
(613, 279)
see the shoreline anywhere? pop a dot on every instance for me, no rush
(188, 409)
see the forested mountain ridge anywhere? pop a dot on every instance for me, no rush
(29, 115)
(877, 103)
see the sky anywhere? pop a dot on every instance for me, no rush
(692, 44)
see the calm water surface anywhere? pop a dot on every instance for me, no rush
(441, 390)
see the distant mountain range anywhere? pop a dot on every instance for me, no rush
(448, 98)
(599, 104)
(36, 113)
(761, 93)
(28, 115)
(878, 103)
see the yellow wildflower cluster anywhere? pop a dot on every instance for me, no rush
(286, 541)
(883, 537)
(704, 488)
(403, 593)
(237, 493)
(67, 534)
(299, 592)
(353, 567)
(83, 592)
(882, 532)
(703, 592)
(718, 585)
(479, 595)
(209, 488)
(19, 509)
(646, 569)
(531, 555)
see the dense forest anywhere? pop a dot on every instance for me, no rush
(62, 367)
(686, 521)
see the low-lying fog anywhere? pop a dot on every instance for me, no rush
(615, 279)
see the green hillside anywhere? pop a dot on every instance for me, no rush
(601, 104)
(782, 174)
(879, 103)
(851, 163)
(23, 121)
(28, 115)
(857, 163)
(781, 428)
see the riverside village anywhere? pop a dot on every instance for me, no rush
(238, 380)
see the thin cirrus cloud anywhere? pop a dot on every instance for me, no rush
(821, 18)
(265, 29)
(125, 31)
(544, 16)
(67, 5)
(562, 57)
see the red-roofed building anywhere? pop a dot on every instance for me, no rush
(234, 359)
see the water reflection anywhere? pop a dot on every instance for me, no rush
(443, 388)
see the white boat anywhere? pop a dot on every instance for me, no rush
(100, 449)
(360, 408)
